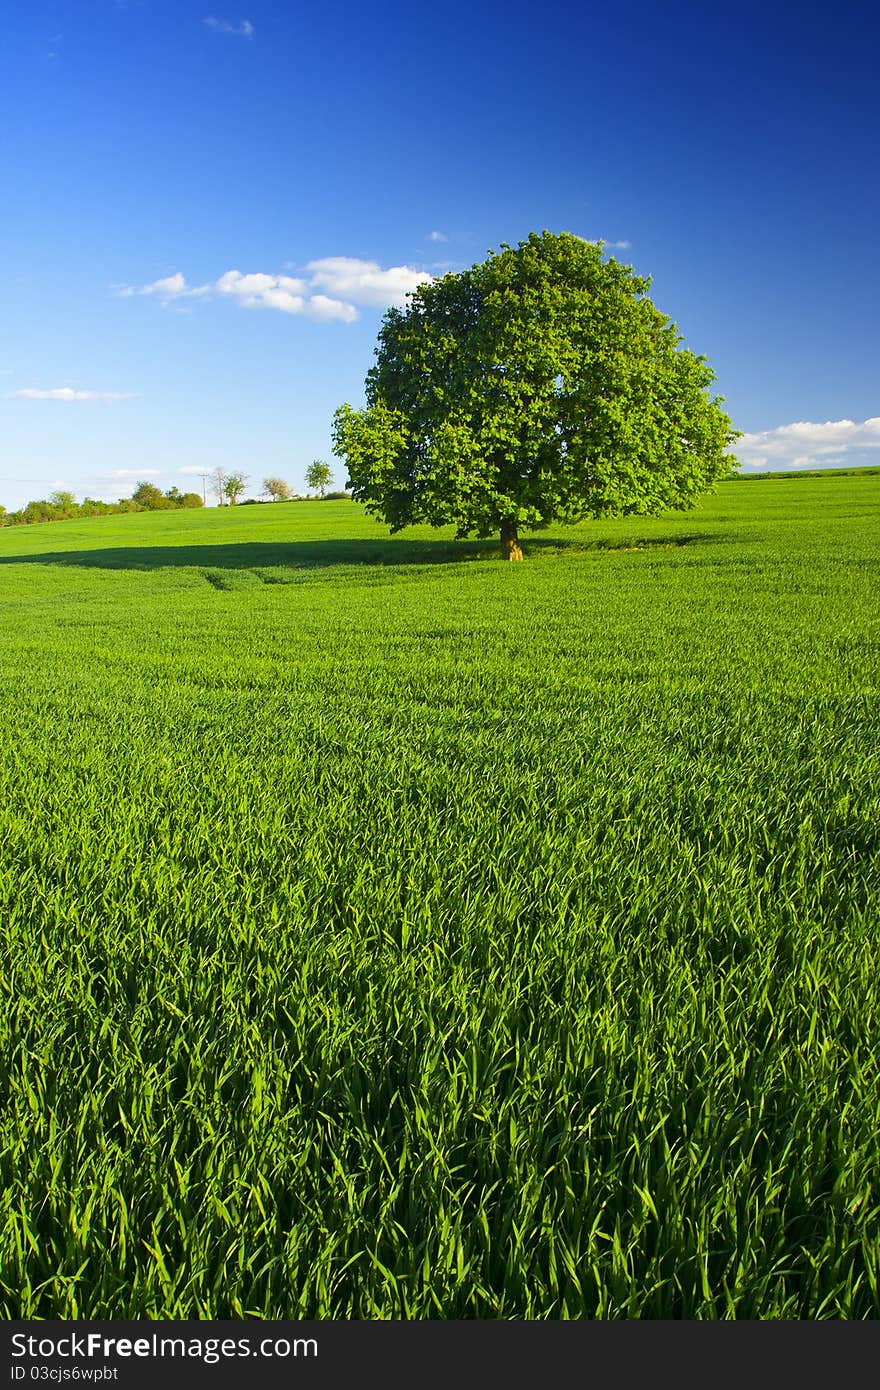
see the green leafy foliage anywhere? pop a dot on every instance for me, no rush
(319, 476)
(151, 498)
(63, 506)
(541, 385)
(233, 486)
(63, 502)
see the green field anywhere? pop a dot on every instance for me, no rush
(395, 933)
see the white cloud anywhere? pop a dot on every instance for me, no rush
(805, 443)
(261, 291)
(170, 288)
(287, 293)
(243, 30)
(67, 393)
(364, 282)
(437, 236)
(320, 306)
(349, 281)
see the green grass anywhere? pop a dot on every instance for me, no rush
(395, 933)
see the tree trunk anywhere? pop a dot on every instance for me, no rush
(510, 546)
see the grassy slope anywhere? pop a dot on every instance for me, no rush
(423, 937)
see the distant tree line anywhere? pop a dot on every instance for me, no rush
(63, 506)
(147, 497)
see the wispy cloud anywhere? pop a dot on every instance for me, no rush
(172, 287)
(169, 288)
(67, 393)
(331, 289)
(437, 236)
(243, 30)
(805, 443)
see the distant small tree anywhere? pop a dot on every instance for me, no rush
(218, 484)
(191, 499)
(319, 476)
(62, 501)
(150, 497)
(234, 486)
(277, 489)
(174, 496)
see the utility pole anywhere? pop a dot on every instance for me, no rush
(204, 477)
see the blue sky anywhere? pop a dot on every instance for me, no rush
(207, 206)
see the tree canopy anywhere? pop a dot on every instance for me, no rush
(540, 385)
(150, 497)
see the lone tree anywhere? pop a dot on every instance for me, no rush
(540, 385)
(233, 487)
(319, 476)
(217, 484)
(277, 489)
